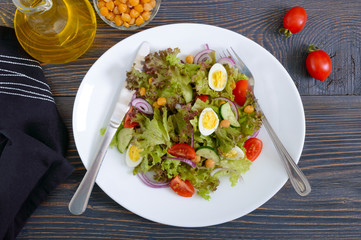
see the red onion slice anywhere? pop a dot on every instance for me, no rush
(255, 134)
(133, 97)
(142, 105)
(151, 183)
(202, 56)
(227, 60)
(192, 139)
(189, 162)
(233, 105)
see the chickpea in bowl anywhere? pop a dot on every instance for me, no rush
(127, 14)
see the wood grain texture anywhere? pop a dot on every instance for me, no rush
(331, 159)
(334, 26)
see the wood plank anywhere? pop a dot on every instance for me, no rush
(335, 28)
(331, 159)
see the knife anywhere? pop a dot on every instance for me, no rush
(79, 202)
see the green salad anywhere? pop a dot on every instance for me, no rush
(190, 122)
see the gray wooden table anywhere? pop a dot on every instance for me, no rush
(331, 158)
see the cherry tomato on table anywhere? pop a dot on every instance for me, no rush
(253, 148)
(294, 21)
(240, 92)
(128, 122)
(182, 150)
(182, 188)
(318, 63)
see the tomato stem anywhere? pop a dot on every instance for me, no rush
(285, 32)
(312, 48)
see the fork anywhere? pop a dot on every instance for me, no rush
(296, 176)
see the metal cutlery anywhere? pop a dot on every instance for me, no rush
(80, 199)
(296, 176)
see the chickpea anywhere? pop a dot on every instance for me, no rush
(126, 18)
(221, 102)
(197, 158)
(110, 5)
(104, 11)
(156, 105)
(147, 7)
(118, 20)
(134, 2)
(225, 123)
(123, 8)
(139, 20)
(132, 21)
(209, 163)
(153, 3)
(111, 16)
(249, 109)
(162, 101)
(142, 91)
(116, 10)
(146, 15)
(126, 12)
(101, 4)
(139, 8)
(134, 13)
(233, 85)
(190, 59)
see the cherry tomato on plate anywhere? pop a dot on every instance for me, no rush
(294, 21)
(240, 92)
(204, 98)
(128, 122)
(182, 150)
(318, 63)
(253, 148)
(182, 188)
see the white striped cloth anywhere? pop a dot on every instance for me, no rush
(20, 77)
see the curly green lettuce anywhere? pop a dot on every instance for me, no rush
(165, 75)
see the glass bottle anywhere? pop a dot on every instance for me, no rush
(55, 31)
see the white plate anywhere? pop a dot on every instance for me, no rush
(277, 95)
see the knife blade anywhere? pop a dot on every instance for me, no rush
(80, 199)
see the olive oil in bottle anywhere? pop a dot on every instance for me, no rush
(55, 31)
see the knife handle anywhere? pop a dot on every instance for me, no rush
(79, 202)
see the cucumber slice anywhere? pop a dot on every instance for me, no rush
(124, 136)
(226, 113)
(187, 92)
(209, 153)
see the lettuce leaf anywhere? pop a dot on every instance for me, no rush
(151, 158)
(201, 179)
(237, 167)
(165, 75)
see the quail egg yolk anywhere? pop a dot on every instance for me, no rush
(209, 120)
(231, 154)
(134, 153)
(218, 79)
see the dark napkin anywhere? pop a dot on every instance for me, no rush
(33, 138)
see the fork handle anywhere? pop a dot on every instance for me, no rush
(296, 176)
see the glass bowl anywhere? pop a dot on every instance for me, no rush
(154, 12)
